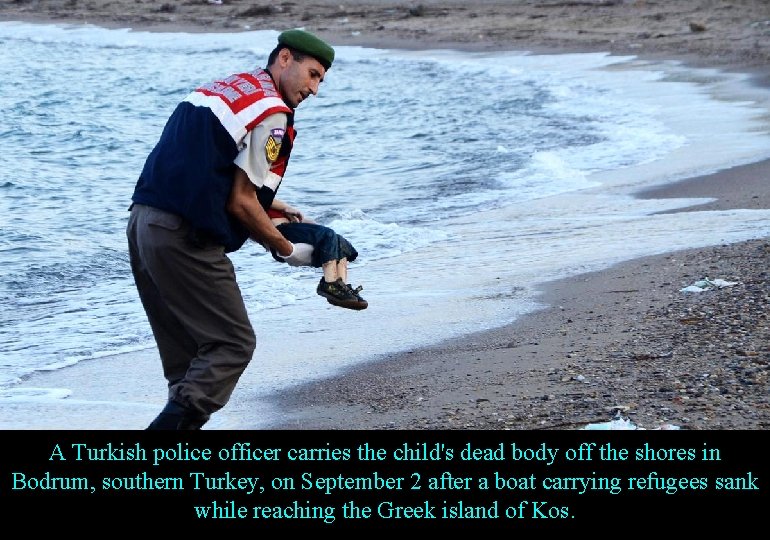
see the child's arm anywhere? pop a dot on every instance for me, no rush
(291, 213)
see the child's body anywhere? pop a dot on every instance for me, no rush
(331, 253)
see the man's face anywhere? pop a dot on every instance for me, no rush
(299, 79)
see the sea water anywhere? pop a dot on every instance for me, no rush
(463, 179)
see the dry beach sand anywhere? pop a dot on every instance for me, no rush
(712, 32)
(624, 340)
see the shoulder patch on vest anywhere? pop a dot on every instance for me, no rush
(273, 144)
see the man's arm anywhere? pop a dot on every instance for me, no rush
(244, 206)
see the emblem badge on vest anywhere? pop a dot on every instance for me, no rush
(273, 144)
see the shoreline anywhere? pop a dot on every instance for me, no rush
(622, 340)
(701, 31)
(597, 350)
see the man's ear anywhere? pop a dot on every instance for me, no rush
(284, 56)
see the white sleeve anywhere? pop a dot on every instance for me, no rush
(261, 147)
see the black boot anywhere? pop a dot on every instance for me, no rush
(176, 416)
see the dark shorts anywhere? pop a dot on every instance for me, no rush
(327, 244)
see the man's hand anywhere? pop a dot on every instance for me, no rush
(301, 255)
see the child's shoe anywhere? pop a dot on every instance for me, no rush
(342, 295)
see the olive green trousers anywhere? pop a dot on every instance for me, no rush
(194, 306)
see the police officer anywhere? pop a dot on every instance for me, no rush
(204, 190)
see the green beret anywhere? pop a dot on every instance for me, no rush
(307, 43)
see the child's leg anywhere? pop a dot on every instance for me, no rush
(330, 271)
(334, 270)
(331, 252)
(342, 269)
